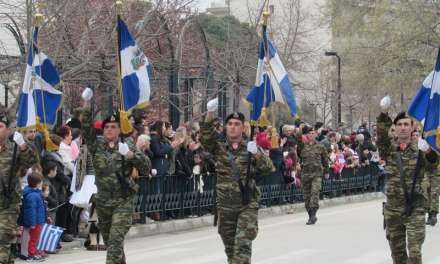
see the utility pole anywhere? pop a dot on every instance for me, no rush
(339, 88)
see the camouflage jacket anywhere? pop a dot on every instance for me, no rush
(228, 190)
(110, 166)
(395, 190)
(314, 160)
(25, 160)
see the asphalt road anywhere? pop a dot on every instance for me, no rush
(349, 234)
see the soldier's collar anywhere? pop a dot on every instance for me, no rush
(241, 144)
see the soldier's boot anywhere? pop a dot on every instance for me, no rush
(309, 222)
(314, 218)
(432, 219)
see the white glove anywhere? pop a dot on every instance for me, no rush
(385, 103)
(252, 147)
(196, 170)
(87, 94)
(123, 149)
(423, 145)
(153, 172)
(212, 105)
(18, 138)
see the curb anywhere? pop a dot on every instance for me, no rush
(187, 224)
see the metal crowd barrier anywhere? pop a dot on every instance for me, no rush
(174, 197)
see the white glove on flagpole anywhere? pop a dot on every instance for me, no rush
(423, 145)
(123, 149)
(18, 138)
(252, 147)
(385, 103)
(87, 94)
(212, 105)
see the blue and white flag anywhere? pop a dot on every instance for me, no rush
(49, 238)
(38, 97)
(135, 70)
(426, 106)
(272, 82)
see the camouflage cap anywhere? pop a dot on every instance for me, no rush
(236, 115)
(113, 118)
(401, 115)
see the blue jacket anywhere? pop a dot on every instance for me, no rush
(33, 208)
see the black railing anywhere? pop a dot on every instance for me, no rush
(173, 197)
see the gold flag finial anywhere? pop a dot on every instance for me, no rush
(263, 121)
(119, 6)
(39, 19)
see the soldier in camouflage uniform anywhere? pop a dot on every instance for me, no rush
(113, 161)
(9, 201)
(314, 164)
(404, 225)
(238, 220)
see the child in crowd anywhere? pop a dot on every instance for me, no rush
(33, 214)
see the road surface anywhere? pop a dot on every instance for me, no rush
(348, 234)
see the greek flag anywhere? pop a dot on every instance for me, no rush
(272, 82)
(426, 107)
(49, 238)
(135, 70)
(38, 97)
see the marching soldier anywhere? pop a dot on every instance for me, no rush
(114, 161)
(237, 193)
(406, 193)
(314, 164)
(13, 159)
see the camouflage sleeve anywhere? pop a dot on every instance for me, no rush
(28, 157)
(384, 145)
(87, 129)
(324, 159)
(264, 165)
(139, 160)
(208, 137)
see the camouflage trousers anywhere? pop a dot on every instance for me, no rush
(238, 228)
(311, 189)
(114, 222)
(400, 229)
(8, 232)
(433, 193)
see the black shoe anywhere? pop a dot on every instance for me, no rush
(309, 222)
(312, 218)
(432, 219)
(67, 238)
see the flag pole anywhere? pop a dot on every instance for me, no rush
(126, 127)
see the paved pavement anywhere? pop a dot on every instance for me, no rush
(348, 234)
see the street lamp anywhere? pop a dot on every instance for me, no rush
(335, 54)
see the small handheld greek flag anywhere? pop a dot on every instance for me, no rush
(426, 107)
(135, 70)
(49, 238)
